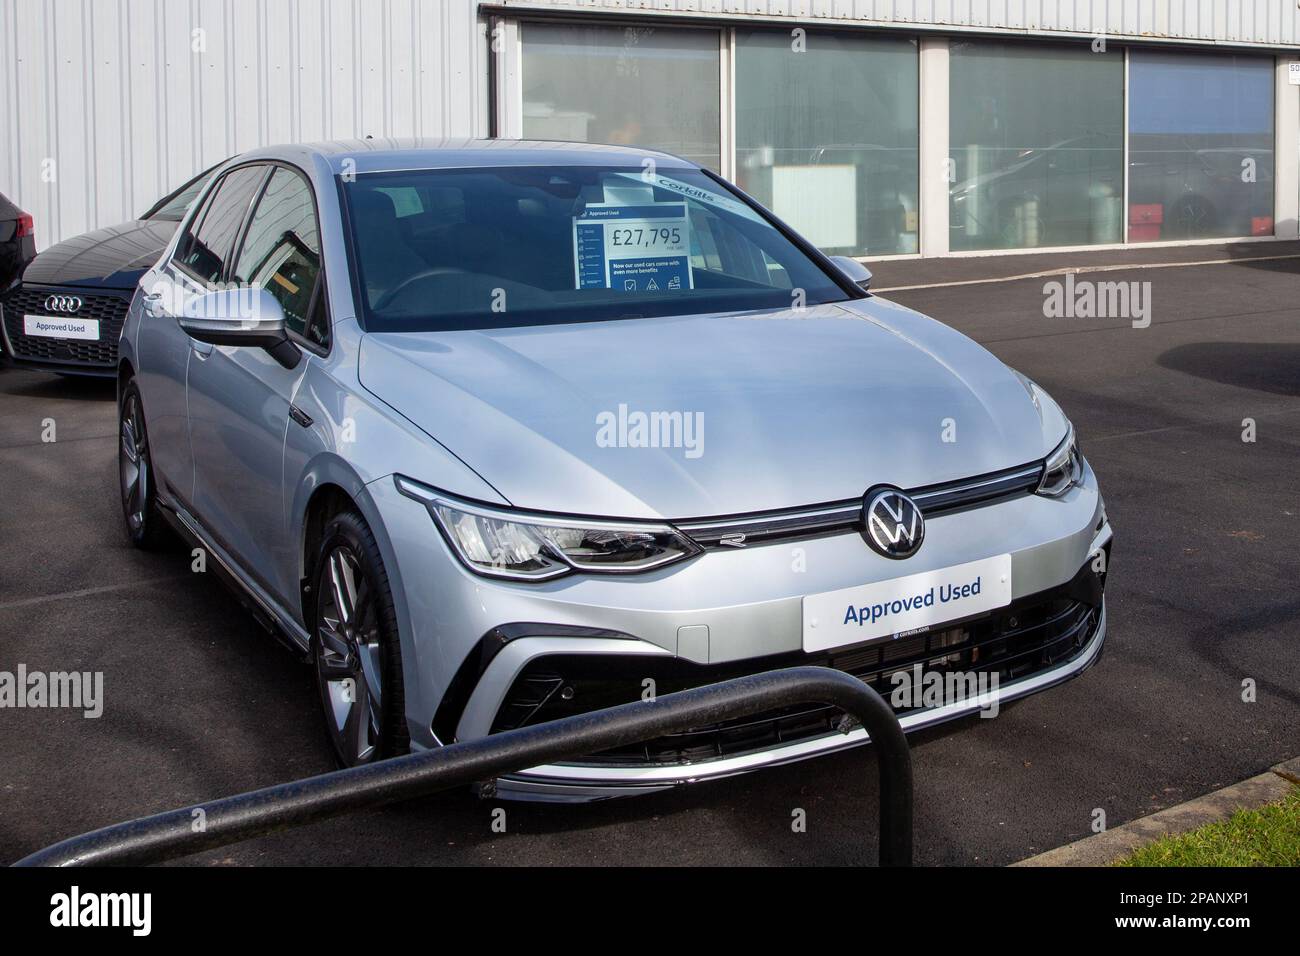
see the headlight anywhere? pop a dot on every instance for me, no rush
(1064, 468)
(504, 544)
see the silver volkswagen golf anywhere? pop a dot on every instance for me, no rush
(499, 432)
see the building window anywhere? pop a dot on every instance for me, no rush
(1200, 146)
(1036, 139)
(657, 87)
(827, 137)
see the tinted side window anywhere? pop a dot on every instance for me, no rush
(281, 251)
(204, 249)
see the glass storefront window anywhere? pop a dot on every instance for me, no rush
(827, 131)
(827, 137)
(1036, 140)
(657, 87)
(1200, 146)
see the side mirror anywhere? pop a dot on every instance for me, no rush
(249, 318)
(857, 273)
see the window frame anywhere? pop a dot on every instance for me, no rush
(732, 96)
(1229, 52)
(319, 291)
(505, 104)
(201, 215)
(1044, 48)
(237, 246)
(505, 111)
(509, 120)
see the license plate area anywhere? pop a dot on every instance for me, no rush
(61, 327)
(901, 606)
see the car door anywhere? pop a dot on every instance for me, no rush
(162, 346)
(239, 397)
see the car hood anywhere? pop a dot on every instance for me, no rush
(111, 258)
(789, 408)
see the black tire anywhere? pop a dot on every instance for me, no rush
(145, 524)
(360, 646)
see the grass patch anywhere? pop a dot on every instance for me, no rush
(1269, 836)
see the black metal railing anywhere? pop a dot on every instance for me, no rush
(233, 819)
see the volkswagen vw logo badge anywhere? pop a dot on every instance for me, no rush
(63, 303)
(893, 523)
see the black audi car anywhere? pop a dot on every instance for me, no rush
(66, 313)
(17, 241)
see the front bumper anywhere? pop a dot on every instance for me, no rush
(97, 358)
(582, 782)
(733, 609)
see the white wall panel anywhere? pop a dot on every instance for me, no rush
(112, 99)
(105, 105)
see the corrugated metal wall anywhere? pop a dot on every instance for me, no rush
(1266, 22)
(105, 105)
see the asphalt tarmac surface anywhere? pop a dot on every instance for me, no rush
(200, 703)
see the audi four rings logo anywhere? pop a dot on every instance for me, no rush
(894, 524)
(63, 303)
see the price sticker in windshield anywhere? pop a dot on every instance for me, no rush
(634, 248)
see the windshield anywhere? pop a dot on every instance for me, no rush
(498, 247)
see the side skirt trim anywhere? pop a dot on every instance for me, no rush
(272, 615)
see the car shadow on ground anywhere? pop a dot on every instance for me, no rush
(88, 388)
(1259, 252)
(1261, 366)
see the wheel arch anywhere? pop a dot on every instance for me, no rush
(326, 501)
(330, 485)
(125, 372)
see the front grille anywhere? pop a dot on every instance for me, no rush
(840, 517)
(1028, 636)
(108, 308)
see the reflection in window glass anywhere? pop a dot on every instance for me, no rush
(569, 244)
(1200, 146)
(645, 86)
(281, 251)
(205, 249)
(827, 136)
(1036, 141)
(172, 208)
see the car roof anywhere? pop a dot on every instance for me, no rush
(387, 155)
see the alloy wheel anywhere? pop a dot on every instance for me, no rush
(133, 465)
(349, 665)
